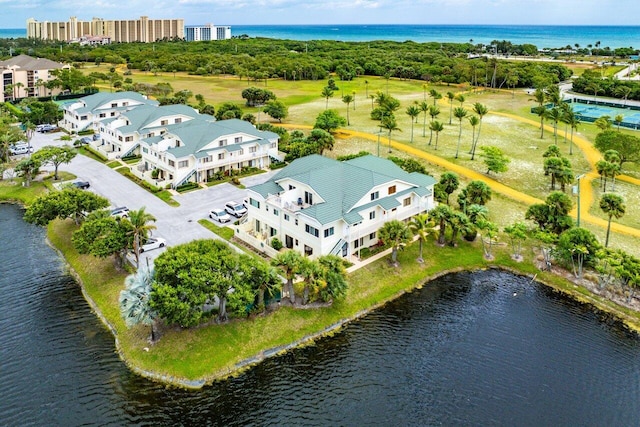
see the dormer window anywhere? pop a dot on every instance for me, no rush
(164, 122)
(375, 195)
(222, 143)
(392, 189)
(237, 139)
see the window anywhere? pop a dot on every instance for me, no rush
(358, 242)
(392, 189)
(276, 212)
(273, 145)
(252, 149)
(222, 143)
(83, 117)
(286, 217)
(171, 163)
(125, 103)
(375, 195)
(254, 203)
(291, 187)
(183, 163)
(128, 138)
(220, 156)
(308, 198)
(114, 105)
(103, 115)
(113, 113)
(406, 202)
(237, 139)
(241, 151)
(372, 236)
(178, 120)
(328, 232)
(311, 230)
(372, 215)
(164, 122)
(296, 224)
(145, 150)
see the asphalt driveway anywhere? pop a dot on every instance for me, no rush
(176, 224)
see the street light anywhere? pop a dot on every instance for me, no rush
(576, 191)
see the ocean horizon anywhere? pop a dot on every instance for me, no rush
(543, 36)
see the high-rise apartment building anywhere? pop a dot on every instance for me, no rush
(119, 31)
(206, 32)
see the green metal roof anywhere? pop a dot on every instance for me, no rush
(342, 184)
(195, 135)
(98, 99)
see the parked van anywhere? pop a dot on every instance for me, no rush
(20, 149)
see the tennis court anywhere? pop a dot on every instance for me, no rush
(592, 112)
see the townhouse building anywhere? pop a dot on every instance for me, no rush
(320, 206)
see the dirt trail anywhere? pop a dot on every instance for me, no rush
(586, 190)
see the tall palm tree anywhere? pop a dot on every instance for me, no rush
(555, 115)
(614, 167)
(396, 234)
(473, 121)
(441, 214)
(613, 206)
(435, 95)
(424, 91)
(573, 121)
(140, 220)
(421, 226)
(424, 108)
(460, 114)
(327, 93)
(450, 96)
(291, 262)
(460, 98)
(347, 99)
(552, 94)
(134, 300)
(434, 111)
(437, 127)
(389, 123)
(413, 111)
(543, 113)
(481, 110)
(603, 123)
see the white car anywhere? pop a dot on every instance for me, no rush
(153, 243)
(235, 209)
(219, 215)
(121, 212)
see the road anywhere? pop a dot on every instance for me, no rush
(176, 224)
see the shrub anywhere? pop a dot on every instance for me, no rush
(276, 244)
(155, 173)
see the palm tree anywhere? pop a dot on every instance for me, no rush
(613, 206)
(460, 114)
(396, 234)
(460, 98)
(424, 91)
(413, 112)
(310, 272)
(437, 127)
(421, 226)
(424, 108)
(459, 223)
(450, 96)
(624, 92)
(291, 262)
(449, 182)
(552, 94)
(543, 113)
(347, 99)
(473, 121)
(327, 93)
(17, 86)
(618, 119)
(572, 120)
(595, 88)
(140, 220)
(603, 123)
(435, 95)
(481, 110)
(555, 115)
(389, 123)
(434, 111)
(441, 214)
(134, 300)
(614, 169)
(265, 280)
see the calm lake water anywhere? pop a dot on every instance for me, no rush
(486, 348)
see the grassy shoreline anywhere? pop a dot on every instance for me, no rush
(197, 357)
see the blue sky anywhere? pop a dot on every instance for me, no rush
(272, 12)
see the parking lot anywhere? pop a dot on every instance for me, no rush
(176, 224)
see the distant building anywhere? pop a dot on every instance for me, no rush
(207, 32)
(118, 31)
(24, 76)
